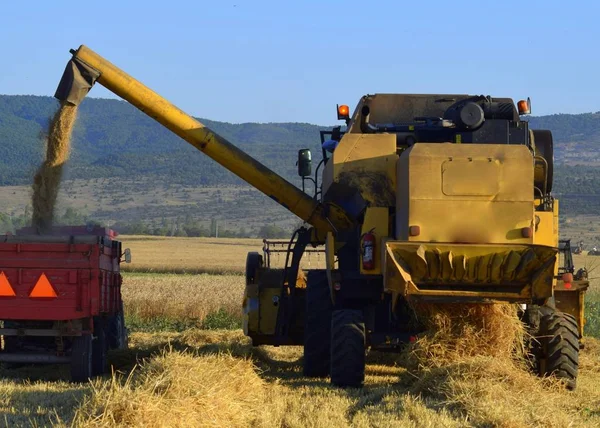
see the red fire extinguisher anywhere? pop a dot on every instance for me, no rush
(368, 250)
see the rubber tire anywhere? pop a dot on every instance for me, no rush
(559, 339)
(544, 146)
(117, 332)
(124, 338)
(254, 261)
(11, 345)
(317, 325)
(81, 358)
(99, 350)
(347, 348)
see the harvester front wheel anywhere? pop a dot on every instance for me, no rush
(347, 348)
(81, 358)
(254, 261)
(559, 340)
(317, 325)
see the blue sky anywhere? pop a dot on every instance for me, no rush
(279, 61)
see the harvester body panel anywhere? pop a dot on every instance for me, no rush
(366, 163)
(465, 193)
(473, 208)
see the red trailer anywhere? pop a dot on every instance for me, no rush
(60, 298)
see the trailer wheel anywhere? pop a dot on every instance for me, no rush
(99, 350)
(317, 325)
(347, 348)
(117, 336)
(122, 331)
(81, 358)
(559, 347)
(11, 345)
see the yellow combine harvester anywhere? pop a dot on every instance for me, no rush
(436, 198)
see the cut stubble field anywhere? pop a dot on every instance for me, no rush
(189, 365)
(215, 378)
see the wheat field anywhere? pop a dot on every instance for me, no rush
(159, 254)
(180, 301)
(181, 370)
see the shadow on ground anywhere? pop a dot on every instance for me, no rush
(32, 385)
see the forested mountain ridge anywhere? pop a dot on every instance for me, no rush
(113, 139)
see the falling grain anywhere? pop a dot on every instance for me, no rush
(46, 182)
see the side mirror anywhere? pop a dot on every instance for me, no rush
(127, 255)
(336, 133)
(304, 163)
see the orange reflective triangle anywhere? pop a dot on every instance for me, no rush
(6, 289)
(43, 288)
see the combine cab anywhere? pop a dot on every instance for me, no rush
(439, 198)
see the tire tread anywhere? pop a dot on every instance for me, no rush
(347, 348)
(559, 336)
(317, 326)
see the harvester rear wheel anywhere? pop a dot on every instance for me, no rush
(81, 358)
(317, 325)
(347, 348)
(559, 340)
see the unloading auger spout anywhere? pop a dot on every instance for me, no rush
(87, 67)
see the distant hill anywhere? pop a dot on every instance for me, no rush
(114, 140)
(570, 127)
(577, 136)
